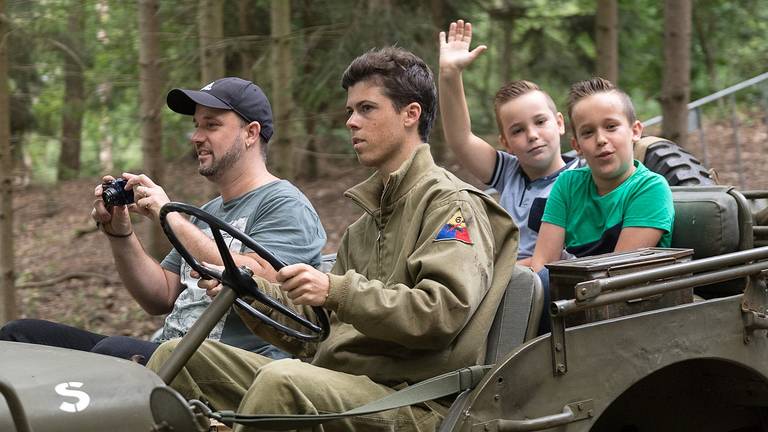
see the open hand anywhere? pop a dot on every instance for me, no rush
(454, 49)
(148, 197)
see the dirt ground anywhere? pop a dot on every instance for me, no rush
(54, 234)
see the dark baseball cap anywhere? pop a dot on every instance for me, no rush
(231, 93)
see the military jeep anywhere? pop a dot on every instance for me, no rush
(678, 343)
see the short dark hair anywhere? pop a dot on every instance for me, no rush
(515, 89)
(593, 86)
(404, 77)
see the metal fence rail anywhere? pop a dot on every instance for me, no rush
(695, 118)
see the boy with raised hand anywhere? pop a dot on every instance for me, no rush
(529, 130)
(614, 203)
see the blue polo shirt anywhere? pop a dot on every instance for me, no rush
(523, 198)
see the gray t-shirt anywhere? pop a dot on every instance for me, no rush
(281, 219)
(523, 198)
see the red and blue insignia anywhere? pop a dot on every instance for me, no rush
(455, 229)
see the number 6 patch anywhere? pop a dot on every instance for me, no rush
(455, 229)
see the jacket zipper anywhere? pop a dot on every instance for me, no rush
(378, 221)
(380, 227)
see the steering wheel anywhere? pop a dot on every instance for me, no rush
(240, 279)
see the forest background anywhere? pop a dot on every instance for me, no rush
(83, 84)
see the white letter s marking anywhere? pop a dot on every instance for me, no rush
(83, 400)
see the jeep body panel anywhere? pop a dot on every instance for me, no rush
(710, 375)
(66, 390)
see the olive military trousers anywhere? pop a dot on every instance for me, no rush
(229, 378)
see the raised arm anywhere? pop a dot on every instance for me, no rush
(474, 153)
(150, 285)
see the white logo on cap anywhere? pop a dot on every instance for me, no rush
(208, 87)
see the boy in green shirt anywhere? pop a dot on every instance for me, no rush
(614, 203)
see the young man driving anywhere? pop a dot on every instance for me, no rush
(415, 286)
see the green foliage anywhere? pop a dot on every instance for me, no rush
(550, 42)
(43, 153)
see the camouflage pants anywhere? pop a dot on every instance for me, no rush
(229, 378)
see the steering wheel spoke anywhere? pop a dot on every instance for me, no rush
(226, 258)
(240, 279)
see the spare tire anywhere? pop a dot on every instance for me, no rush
(678, 166)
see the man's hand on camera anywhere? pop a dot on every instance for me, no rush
(148, 197)
(113, 221)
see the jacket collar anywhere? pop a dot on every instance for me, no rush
(372, 193)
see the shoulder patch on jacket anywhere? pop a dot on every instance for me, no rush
(455, 229)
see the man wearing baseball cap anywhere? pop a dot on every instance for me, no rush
(232, 127)
(234, 94)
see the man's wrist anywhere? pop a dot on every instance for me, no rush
(119, 235)
(450, 72)
(328, 291)
(113, 235)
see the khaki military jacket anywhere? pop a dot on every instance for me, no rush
(417, 278)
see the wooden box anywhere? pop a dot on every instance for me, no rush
(564, 275)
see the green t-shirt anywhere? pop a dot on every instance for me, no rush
(593, 223)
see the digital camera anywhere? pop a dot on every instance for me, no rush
(114, 193)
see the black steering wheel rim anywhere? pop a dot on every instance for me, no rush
(239, 278)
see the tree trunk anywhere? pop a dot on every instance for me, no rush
(74, 93)
(675, 89)
(508, 51)
(104, 92)
(607, 40)
(381, 10)
(437, 8)
(150, 89)
(436, 142)
(22, 119)
(244, 48)
(309, 166)
(106, 160)
(211, 31)
(282, 88)
(704, 37)
(7, 276)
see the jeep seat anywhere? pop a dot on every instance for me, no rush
(712, 220)
(518, 315)
(516, 321)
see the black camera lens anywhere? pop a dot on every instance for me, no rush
(114, 193)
